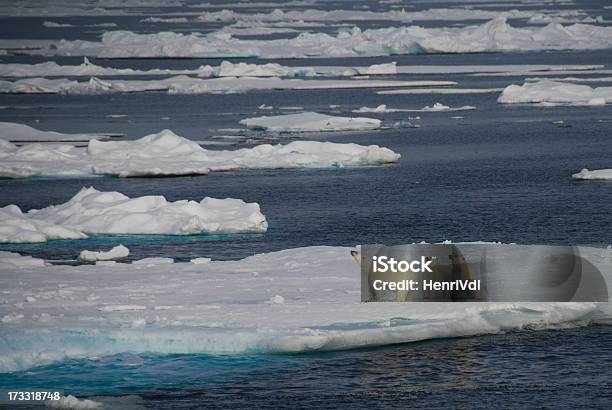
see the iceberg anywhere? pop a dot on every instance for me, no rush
(93, 212)
(296, 300)
(553, 92)
(13, 132)
(494, 36)
(116, 252)
(310, 122)
(601, 174)
(167, 154)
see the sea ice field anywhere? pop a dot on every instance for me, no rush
(182, 182)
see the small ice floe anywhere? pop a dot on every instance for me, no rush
(13, 260)
(200, 261)
(93, 212)
(276, 300)
(551, 93)
(117, 252)
(601, 174)
(310, 122)
(121, 308)
(167, 154)
(437, 107)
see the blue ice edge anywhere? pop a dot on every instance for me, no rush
(39, 346)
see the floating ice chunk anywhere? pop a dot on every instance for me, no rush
(72, 403)
(309, 122)
(440, 91)
(95, 212)
(228, 69)
(437, 107)
(121, 308)
(117, 252)
(554, 92)
(379, 69)
(166, 153)
(602, 174)
(277, 300)
(53, 24)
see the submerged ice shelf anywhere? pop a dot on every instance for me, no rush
(297, 300)
(167, 154)
(93, 212)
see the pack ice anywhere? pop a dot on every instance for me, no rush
(93, 212)
(495, 35)
(310, 122)
(548, 92)
(297, 300)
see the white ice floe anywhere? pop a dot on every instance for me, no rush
(549, 92)
(167, 154)
(183, 84)
(310, 122)
(116, 252)
(227, 69)
(93, 212)
(13, 260)
(601, 174)
(10, 131)
(298, 300)
(437, 107)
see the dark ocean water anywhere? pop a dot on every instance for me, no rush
(501, 173)
(549, 369)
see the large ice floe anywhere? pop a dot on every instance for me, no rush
(167, 154)
(298, 300)
(549, 92)
(183, 84)
(310, 122)
(14, 132)
(600, 174)
(495, 35)
(93, 212)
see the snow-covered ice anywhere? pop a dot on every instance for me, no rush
(297, 300)
(93, 212)
(165, 154)
(602, 174)
(116, 252)
(310, 122)
(554, 92)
